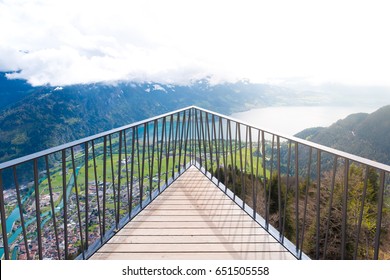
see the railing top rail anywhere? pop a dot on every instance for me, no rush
(323, 148)
(49, 151)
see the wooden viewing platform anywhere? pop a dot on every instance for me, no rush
(192, 219)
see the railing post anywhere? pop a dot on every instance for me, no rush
(65, 203)
(3, 219)
(379, 216)
(113, 180)
(344, 209)
(264, 179)
(296, 199)
(20, 205)
(318, 204)
(97, 192)
(77, 203)
(104, 183)
(86, 161)
(330, 204)
(132, 171)
(119, 180)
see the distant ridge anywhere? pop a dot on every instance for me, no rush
(365, 135)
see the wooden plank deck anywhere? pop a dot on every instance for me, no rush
(192, 219)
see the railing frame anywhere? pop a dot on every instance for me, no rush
(196, 128)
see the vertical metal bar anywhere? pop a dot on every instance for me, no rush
(20, 206)
(296, 198)
(175, 144)
(127, 173)
(245, 166)
(149, 163)
(113, 180)
(77, 203)
(194, 134)
(361, 213)
(167, 148)
(3, 219)
(143, 167)
(104, 182)
(97, 192)
(161, 153)
(198, 138)
(38, 209)
(287, 187)
(254, 202)
(151, 173)
(224, 153)
(65, 202)
(86, 194)
(306, 199)
(193, 142)
(214, 136)
(344, 210)
(209, 140)
(158, 152)
(181, 141)
(257, 173)
(140, 188)
(189, 121)
(330, 204)
(279, 186)
(204, 141)
(264, 178)
(132, 170)
(318, 205)
(270, 180)
(52, 210)
(229, 132)
(119, 179)
(235, 163)
(379, 216)
(242, 172)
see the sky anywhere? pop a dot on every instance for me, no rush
(63, 42)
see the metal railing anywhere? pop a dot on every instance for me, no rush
(321, 203)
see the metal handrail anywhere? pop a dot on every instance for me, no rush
(289, 185)
(83, 140)
(323, 148)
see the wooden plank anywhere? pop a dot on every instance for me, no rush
(168, 219)
(181, 239)
(190, 224)
(196, 256)
(181, 207)
(191, 231)
(198, 247)
(184, 212)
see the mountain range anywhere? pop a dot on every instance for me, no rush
(36, 118)
(362, 134)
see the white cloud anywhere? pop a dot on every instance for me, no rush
(75, 41)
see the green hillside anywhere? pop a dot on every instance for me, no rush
(365, 135)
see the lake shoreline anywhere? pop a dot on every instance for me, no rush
(290, 120)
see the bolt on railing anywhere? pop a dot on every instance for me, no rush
(67, 201)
